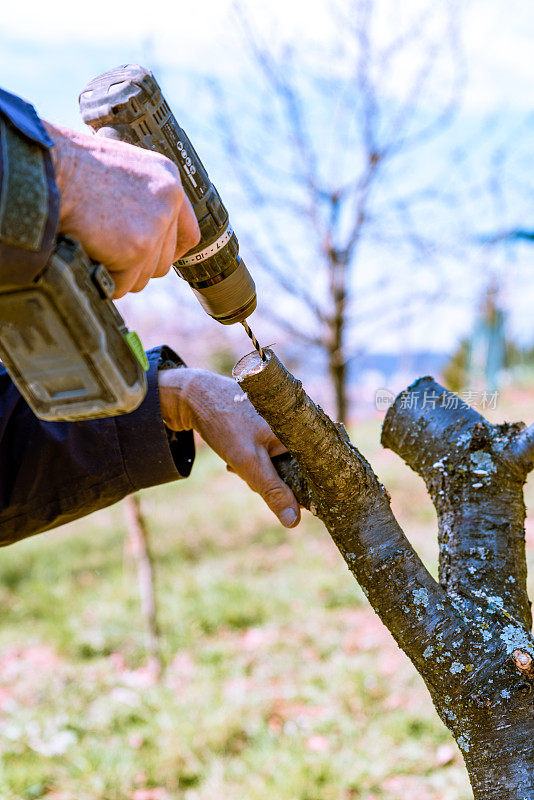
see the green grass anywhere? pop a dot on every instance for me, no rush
(280, 682)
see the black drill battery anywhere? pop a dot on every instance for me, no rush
(66, 346)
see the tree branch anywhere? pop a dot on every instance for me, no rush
(524, 447)
(464, 461)
(139, 545)
(450, 108)
(475, 658)
(503, 236)
(346, 495)
(286, 279)
(279, 79)
(297, 333)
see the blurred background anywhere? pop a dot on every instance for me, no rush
(377, 164)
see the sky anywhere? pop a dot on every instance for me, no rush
(205, 36)
(49, 51)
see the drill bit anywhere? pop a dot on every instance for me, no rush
(254, 340)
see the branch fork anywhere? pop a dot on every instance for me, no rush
(469, 633)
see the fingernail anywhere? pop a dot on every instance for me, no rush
(288, 517)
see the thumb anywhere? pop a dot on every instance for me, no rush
(276, 493)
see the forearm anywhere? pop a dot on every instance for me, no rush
(52, 473)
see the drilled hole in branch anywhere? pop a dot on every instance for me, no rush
(251, 364)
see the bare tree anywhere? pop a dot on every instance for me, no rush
(508, 185)
(326, 157)
(469, 636)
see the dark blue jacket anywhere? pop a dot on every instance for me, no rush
(54, 472)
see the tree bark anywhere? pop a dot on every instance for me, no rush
(339, 274)
(338, 374)
(139, 545)
(468, 635)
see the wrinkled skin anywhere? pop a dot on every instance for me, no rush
(219, 411)
(125, 205)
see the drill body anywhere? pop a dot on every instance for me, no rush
(127, 104)
(64, 343)
(61, 338)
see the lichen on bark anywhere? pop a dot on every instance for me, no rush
(469, 633)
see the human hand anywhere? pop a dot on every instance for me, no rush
(218, 410)
(125, 205)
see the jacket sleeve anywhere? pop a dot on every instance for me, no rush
(29, 197)
(54, 472)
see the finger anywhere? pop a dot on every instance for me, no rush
(122, 281)
(275, 447)
(272, 444)
(188, 234)
(148, 268)
(270, 441)
(139, 285)
(144, 275)
(168, 249)
(276, 493)
(134, 277)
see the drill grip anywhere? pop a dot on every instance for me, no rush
(126, 103)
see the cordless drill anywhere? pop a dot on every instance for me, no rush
(127, 104)
(62, 340)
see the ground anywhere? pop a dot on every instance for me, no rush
(281, 683)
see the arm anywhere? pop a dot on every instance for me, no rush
(127, 208)
(54, 472)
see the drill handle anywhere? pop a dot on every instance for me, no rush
(129, 100)
(126, 103)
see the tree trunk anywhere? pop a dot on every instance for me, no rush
(468, 635)
(139, 545)
(338, 375)
(338, 268)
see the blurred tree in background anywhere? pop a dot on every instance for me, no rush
(327, 158)
(480, 359)
(489, 358)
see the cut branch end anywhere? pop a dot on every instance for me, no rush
(523, 662)
(251, 364)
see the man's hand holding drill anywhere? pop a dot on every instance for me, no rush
(127, 208)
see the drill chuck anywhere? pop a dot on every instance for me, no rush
(126, 103)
